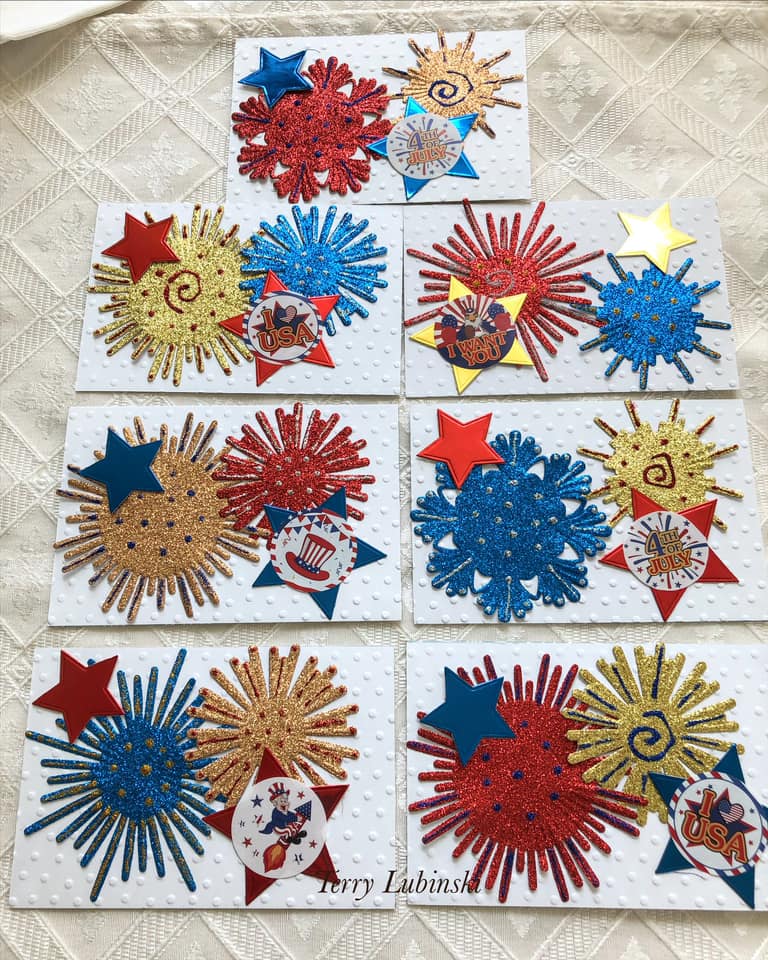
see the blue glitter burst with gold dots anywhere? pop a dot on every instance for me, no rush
(511, 525)
(651, 317)
(318, 260)
(128, 783)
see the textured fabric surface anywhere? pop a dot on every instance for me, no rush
(627, 99)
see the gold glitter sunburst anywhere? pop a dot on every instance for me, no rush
(652, 720)
(280, 713)
(156, 544)
(449, 81)
(173, 312)
(667, 464)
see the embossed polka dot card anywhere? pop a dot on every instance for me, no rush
(585, 512)
(385, 118)
(228, 514)
(209, 778)
(248, 299)
(585, 775)
(567, 297)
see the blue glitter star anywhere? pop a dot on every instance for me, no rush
(277, 76)
(129, 782)
(317, 261)
(649, 318)
(469, 714)
(124, 469)
(511, 525)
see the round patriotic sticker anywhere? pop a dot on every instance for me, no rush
(666, 551)
(283, 327)
(314, 551)
(474, 332)
(424, 146)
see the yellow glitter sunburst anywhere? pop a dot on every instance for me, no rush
(173, 312)
(155, 544)
(450, 82)
(281, 714)
(647, 722)
(667, 464)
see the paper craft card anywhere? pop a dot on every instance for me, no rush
(584, 512)
(584, 775)
(384, 118)
(253, 298)
(567, 296)
(228, 514)
(211, 778)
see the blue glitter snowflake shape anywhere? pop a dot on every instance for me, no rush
(129, 782)
(315, 260)
(649, 318)
(511, 524)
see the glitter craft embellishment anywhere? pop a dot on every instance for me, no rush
(328, 259)
(449, 81)
(172, 311)
(510, 525)
(506, 261)
(650, 720)
(515, 801)
(277, 76)
(653, 236)
(306, 135)
(651, 317)
(126, 785)
(281, 711)
(461, 446)
(156, 544)
(81, 693)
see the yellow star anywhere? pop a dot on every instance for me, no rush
(652, 236)
(515, 355)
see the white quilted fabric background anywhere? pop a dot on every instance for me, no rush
(627, 99)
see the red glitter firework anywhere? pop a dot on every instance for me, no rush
(518, 803)
(294, 468)
(309, 133)
(503, 264)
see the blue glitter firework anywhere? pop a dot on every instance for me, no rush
(510, 524)
(649, 318)
(130, 781)
(318, 261)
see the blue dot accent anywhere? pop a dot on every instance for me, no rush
(517, 775)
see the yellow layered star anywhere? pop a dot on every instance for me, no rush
(652, 236)
(515, 355)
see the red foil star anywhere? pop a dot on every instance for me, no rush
(81, 693)
(321, 867)
(315, 132)
(142, 245)
(461, 446)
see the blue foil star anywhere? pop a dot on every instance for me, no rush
(277, 76)
(469, 714)
(125, 468)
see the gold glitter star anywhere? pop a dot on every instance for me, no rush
(653, 236)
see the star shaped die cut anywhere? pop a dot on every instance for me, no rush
(81, 693)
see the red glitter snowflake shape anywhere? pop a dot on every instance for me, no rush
(501, 263)
(518, 803)
(314, 132)
(293, 467)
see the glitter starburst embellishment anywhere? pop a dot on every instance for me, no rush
(284, 712)
(650, 720)
(292, 465)
(318, 132)
(450, 82)
(651, 317)
(510, 524)
(173, 311)
(160, 543)
(506, 261)
(126, 784)
(517, 803)
(314, 259)
(667, 464)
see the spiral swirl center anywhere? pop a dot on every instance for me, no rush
(451, 90)
(182, 287)
(651, 742)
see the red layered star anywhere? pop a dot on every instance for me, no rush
(142, 245)
(321, 867)
(701, 517)
(81, 693)
(461, 446)
(318, 354)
